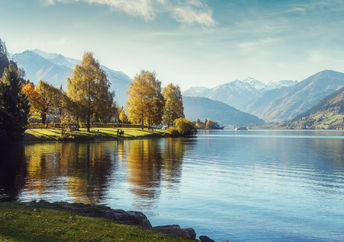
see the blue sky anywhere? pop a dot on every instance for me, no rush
(188, 42)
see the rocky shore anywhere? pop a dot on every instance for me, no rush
(120, 217)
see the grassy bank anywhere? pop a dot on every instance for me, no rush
(52, 134)
(26, 222)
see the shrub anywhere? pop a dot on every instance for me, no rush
(185, 126)
(172, 131)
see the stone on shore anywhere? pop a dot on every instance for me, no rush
(204, 238)
(176, 230)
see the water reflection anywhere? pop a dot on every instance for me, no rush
(81, 169)
(151, 162)
(144, 170)
(12, 171)
(173, 157)
(91, 172)
(273, 185)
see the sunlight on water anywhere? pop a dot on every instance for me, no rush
(246, 185)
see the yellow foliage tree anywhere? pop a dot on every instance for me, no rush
(37, 105)
(184, 126)
(89, 90)
(145, 102)
(173, 107)
(123, 117)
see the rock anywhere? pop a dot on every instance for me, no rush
(175, 230)
(204, 238)
(191, 232)
(116, 215)
(141, 219)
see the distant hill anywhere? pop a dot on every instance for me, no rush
(205, 108)
(56, 68)
(287, 102)
(328, 114)
(238, 93)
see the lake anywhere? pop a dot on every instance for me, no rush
(244, 185)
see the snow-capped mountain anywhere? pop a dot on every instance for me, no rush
(254, 83)
(278, 84)
(238, 93)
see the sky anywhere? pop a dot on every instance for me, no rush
(187, 42)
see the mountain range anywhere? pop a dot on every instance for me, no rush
(204, 108)
(327, 114)
(238, 93)
(287, 102)
(56, 68)
(274, 101)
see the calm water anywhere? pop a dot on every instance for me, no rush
(246, 185)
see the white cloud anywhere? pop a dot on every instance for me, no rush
(187, 12)
(189, 15)
(142, 8)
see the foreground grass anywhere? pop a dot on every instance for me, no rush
(96, 133)
(24, 222)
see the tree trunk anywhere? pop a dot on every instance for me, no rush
(88, 122)
(142, 126)
(43, 117)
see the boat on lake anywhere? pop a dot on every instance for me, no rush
(241, 128)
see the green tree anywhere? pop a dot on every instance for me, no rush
(145, 102)
(14, 106)
(4, 62)
(89, 90)
(173, 107)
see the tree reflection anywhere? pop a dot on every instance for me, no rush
(86, 167)
(151, 162)
(12, 171)
(144, 170)
(173, 154)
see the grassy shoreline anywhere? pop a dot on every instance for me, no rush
(29, 222)
(55, 134)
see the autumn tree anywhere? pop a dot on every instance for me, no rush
(37, 104)
(145, 102)
(89, 90)
(185, 126)
(173, 107)
(123, 117)
(14, 105)
(210, 125)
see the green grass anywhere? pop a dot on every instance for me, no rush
(96, 133)
(24, 222)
